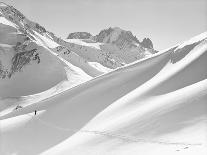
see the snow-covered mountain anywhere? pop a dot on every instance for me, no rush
(114, 47)
(117, 36)
(28, 62)
(27, 50)
(51, 104)
(154, 106)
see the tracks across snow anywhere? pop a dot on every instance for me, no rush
(110, 134)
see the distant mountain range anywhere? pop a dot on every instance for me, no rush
(28, 50)
(111, 48)
(116, 43)
(115, 35)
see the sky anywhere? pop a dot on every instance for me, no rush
(165, 22)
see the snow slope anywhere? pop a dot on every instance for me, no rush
(30, 63)
(154, 106)
(31, 70)
(28, 66)
(164, 115)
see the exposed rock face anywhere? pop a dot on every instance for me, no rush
(40, 28)
(101, 37)
(113, 35)
(19, 52)
(112, 47)
(21, 58)
(13, 13)
(79, 35)
(19, 55)
(121, 38)
(147, 43)
(116, 36)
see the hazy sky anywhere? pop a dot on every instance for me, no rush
(166, 22)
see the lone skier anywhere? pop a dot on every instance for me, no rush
(35, 112)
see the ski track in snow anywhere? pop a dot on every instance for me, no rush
(112, 135)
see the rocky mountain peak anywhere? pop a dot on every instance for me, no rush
(11, 12)
(147, 43)
(114, 35)
(79, 35)
(111, 35)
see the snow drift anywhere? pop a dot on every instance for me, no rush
(153, 106)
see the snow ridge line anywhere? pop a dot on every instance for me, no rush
(118, 136)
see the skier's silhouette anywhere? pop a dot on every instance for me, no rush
(35, 112)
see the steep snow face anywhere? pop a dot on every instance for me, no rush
(47, 39)
(108, 55)
(28, 62)
(25, 67)
(92, 52)
(156, 105)
(29, 72)
(80, 62)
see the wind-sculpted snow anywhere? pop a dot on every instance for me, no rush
(50, 104)
(154, 106)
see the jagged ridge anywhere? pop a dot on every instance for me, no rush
(117, 36)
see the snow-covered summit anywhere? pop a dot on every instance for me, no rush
(117, 36)
(116, 47)
(112, 47)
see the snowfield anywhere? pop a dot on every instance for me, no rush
(57, 99)
(154, 106)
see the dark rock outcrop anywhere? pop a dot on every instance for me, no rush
(147, 43)
(79, 35)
